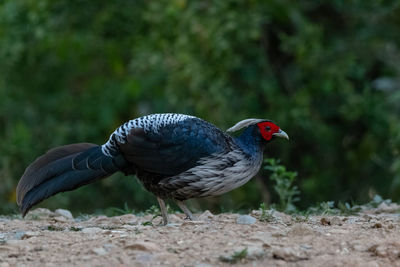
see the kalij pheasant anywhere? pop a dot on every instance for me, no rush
(174, 155)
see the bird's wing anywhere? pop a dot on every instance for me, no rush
(173, 148)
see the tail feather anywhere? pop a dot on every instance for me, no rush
(63, 169)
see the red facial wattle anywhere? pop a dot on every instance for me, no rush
(267, 129)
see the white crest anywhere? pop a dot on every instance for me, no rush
(244, 123)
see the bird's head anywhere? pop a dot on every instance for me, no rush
(266, 128)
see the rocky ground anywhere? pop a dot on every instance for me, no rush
(45, 238)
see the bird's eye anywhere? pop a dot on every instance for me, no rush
(268, 128)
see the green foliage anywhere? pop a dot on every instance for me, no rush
(284, 185)
(266, 215)
(326, 71)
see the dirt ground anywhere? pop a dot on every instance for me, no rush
(45, 238)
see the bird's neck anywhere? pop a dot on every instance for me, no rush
(250, 142)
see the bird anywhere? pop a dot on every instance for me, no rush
(175, 156)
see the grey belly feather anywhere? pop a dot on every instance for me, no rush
(214, 175)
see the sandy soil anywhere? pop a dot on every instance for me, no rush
(45, 238)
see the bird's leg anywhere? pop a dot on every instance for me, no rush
(185, 209)
(164, 211)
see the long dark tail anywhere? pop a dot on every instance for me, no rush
(63, 169)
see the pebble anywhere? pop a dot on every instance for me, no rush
(91, 230)
(325, 221)
(144, 258)
(255, 252)
(3, 238)
(64, 213)
(99, 251)
(61, 219)
(202, 265)
(144, 246)
(288, 254)
(206, 216)
(19, 235)
(246, 219)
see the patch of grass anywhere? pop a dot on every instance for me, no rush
(114, 211)
(75, 229)
(235, 257)
(284, 185)
(148, 223)
(54, 228)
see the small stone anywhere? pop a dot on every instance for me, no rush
(144, 246)
(246, 219)
(377, 225)
(305, 247)
(255, 252)
(19, 235)
(202, 265)
(325, 221)
(39, 213)
(336, 221)
(29, 234)
(206, 216)
(144, 258)
(91, 230)
(64, 213)
(99, 251)
(60, 219)
(288, 254)
(383, 206)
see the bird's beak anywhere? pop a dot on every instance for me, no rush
(281, 134)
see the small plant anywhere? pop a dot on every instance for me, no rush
(236, 256)
(266, 216)
(323, 208)
(284, 185)
(153, 210)
(347, 209)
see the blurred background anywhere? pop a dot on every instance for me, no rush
(328, 72)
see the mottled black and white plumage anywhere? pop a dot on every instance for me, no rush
(174, 156)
